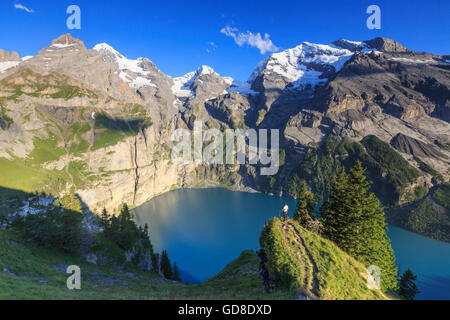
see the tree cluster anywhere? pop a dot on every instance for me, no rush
(126, 234)
(58, 227)
(352, 218)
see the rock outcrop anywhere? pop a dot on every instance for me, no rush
(9, 55)
(385, 45)
(415, 147)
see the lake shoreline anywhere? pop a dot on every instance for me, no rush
(205, 229)
(253, 191)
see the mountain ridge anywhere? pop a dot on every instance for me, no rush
(101, 121)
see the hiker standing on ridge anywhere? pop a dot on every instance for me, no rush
(285, 211)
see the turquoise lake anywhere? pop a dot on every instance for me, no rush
(205, 229)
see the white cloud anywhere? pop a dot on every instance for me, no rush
(264, 44)
(211, 47)
(22, 7)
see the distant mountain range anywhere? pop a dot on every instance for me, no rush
(102, 122)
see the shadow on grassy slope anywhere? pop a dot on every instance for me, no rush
(32, 271)
(109, 131)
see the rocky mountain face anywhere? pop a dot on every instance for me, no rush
(9, 56)
(414, 147)
(102, 122)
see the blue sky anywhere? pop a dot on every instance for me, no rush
(178, 35)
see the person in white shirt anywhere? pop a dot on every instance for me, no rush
(285, 211)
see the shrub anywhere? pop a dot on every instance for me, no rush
(56, 228)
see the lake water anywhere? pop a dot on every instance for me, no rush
(205, 229)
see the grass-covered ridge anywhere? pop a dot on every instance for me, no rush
(33, 272)
(54, 85)
(315, 267)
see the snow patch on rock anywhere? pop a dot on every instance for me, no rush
(62, 45)
(182, 85)
(304, 64)
(130, 71)
(241, 87)
(5, 65)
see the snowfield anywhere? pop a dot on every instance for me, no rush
(302, 65)
(5, 65)
(130, 71)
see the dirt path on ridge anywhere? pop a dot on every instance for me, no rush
(314, 292)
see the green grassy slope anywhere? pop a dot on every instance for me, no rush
(19, 175)
(314, 266)
(31, 272)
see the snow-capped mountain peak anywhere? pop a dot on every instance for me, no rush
(205, 70)
(306, 64)
(107, 51)
(132, 72)
(182, 86)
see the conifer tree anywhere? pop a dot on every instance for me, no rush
(354, 219)
(176, 273)
(146, 239)
(408, 288)
(113, 231)
(128, 233)
(373, 246)
(304, 213)
(335, 215)
(104, 219)
(165, 267)
(156, 263)
(125, 215)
